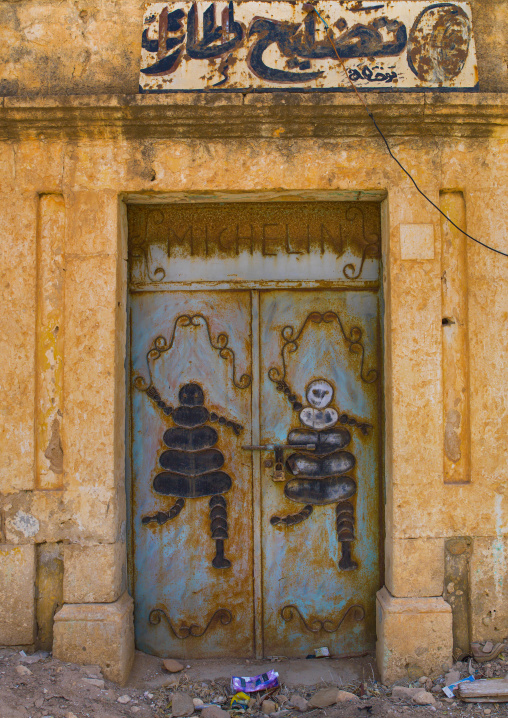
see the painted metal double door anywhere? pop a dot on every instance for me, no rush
(255, 442)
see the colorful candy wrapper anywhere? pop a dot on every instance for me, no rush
(251, 684)
(240, 702)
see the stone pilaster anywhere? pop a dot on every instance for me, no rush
(97, 633)
(414, 636)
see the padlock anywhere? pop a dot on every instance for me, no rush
(278, 472)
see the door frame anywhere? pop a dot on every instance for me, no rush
(379, 196)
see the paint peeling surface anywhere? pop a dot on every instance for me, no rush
(222, 46)
(192, 520)
(282, 240)
(320, 525)
(255, 432)
(25, 523)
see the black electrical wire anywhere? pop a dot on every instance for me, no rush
(309, 7)
(487, 246)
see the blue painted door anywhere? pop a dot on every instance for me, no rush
(191, 493)
(254, 325)
(320, 392)
(238, 550)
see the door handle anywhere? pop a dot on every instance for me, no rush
(278, 449)
(274, 447)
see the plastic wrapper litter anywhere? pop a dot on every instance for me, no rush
(252, 684)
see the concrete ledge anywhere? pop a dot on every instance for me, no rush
(414, 636)
(97, 633)
(243, 115)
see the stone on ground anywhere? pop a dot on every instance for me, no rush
(123, 699)
(269, 707)
(452, 677)
(404, 692)
(171, 681)
(182, 705)
(423, 698)
(323, 698)
(214, 712)
(344, 696)
(23, 671)
(298, 702)
(171, 666)
(329, 696)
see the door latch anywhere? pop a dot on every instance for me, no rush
(278, 449)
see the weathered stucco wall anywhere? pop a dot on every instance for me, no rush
(94, 47)
(83, 511)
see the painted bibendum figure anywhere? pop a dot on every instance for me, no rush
(192, 463)
(320, 477)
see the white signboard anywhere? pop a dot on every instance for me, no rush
(267, 46)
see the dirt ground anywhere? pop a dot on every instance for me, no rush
(39, 686)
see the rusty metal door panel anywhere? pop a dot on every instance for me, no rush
(262, 242)
(232, 347)
(191, 495)
(320, 386)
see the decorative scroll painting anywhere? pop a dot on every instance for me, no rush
(191, 491)
(266, 46)
(320, 398)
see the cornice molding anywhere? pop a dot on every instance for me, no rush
(253, 115)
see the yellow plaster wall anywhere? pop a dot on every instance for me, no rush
(17, 307)
(87, 47)
(94, 175)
